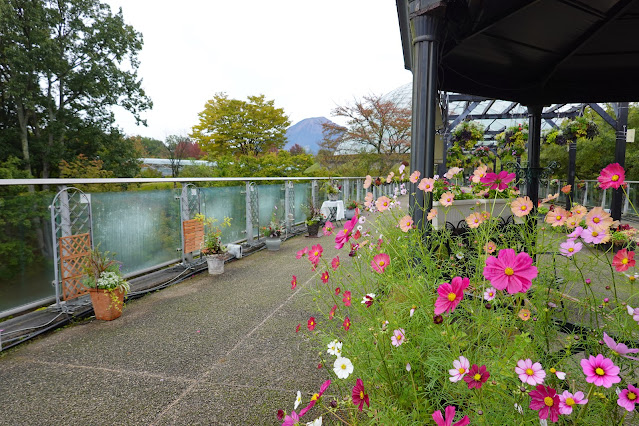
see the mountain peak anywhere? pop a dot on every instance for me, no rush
(307, 133)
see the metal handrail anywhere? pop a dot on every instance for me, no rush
(70, 181)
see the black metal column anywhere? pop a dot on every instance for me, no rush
(572, 165)
(620, 156)
(425, 28)
(534, 143)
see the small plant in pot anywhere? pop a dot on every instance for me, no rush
(314, 219)
(350, 209)
(212, 246)
(332, 190)
(106, 285)
(273, 233)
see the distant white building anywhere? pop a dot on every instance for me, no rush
(163, 165)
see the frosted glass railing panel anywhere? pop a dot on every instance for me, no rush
(26, 260)
(228, 201)
(580, 190)
(271, 196)
(142, 227)
(302, 198)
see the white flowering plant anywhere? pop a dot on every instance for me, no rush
(103, 272)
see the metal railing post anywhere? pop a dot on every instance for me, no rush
(249, 214)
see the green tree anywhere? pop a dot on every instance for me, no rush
(64, 64)
(236, 127)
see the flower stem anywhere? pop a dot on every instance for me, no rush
(585, 407)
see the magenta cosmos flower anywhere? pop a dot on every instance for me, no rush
(568, 400)
(293, 282)
(450, 415)
(600, 371)
(344, 235)
(498, 181)
(311, 323)
(328, 228)
(509, 271)
(325, 277)
(530, 373)
(346, 324)
(380, 262)
(628, 398)
(359, 395)
(315, 253)
(612, 176)
(570, 248)
(450, 294)
(398, 337)
(347, 298)
(545, 400)
(623, 260)
(291, 419)
(476, 376)
(335, 263)
(301, 253)
(619, 348)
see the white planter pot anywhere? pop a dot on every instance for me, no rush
(273, 244)
(215, 264)
(461, 209)
(349, 213)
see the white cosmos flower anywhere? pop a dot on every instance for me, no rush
(343, 367)
(362, 219)
(316, 422)
(298, 400)
(335, 348)
(359, 228)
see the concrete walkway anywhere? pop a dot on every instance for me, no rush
(209, 350)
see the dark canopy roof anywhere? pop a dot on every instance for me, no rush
(536, 51)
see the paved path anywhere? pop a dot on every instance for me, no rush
(210, 350)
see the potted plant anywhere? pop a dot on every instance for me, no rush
(314, 219)
(350, 209)
(106, 285)
(212, 247)
(273, 232)
(332, 190)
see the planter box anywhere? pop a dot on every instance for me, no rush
(216, 264)
(273, 244)
(461, 209)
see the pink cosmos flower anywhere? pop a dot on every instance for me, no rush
(382, 203)
(431, 214)
(509, 271)
(328, 228)
(612, 176)
(337, 290)
(450, 295)
(359, 396)
(346, 324)
(368, 181)
(600, 371)
(315, 397)
(325, 277)
(293, 282)
(628, 398)
(521, 206)
(570, 248)
(623, 260)
(414, 177)
(568, 400)
(474, 220)
(479, 173)
(311, 324)
(498, 181)
(576, 233)
(427, 184)
(344, 235)
(459, 370)
(593, 235)
(335, 263)
(452, 172)
(368, 299)
(297, 329)
(291, 419)
(556, 217)
(331, 314)
(398, 337)
(476, 376)
(634, 312)
(390, 177)
(447, 199)
(489, 294)
(347, 298)
(450, 415)
(300, 254)
(619, 348)
(406, 223)
(490, 247)
(571, 222)
(401, 168)
(380, 262)
(545, 400)
(315, 253)
(599, 218)
(530, 373)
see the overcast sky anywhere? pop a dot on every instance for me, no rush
(308, 56)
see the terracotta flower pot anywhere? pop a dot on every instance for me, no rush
(107, 304)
